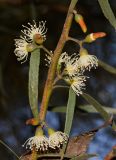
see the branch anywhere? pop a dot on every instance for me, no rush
(75, 40)
(52, 70)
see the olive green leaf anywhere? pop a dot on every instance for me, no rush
(99, 108)
(33, 81)
(107, 11)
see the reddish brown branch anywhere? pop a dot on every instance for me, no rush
(52, 70)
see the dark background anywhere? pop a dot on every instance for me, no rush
(14, 107)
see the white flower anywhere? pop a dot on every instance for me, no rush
(56, 139)
(33, 30)
(48, 58)
(77, 83)
(71, 65)
(21, 49)
(40, 143)
(86, 62)
(63, 58)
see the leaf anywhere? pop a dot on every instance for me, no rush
(99, 108)
(59, 109)
(33, 81)
(107, 11)
(79, 144)
(70, 111)
(87, 108)
(69, 117)
(91, 109)
(84, 157)
(107, 67)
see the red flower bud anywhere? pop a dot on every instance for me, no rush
(99, 35)
(93, 36)
(79, 19)
(32, 121)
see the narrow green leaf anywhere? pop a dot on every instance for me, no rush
(107, 11)
(99, 108)
(87, 108)
(91, 109)
(33, 81)
(70, 111)
(107, 67)
(69, 117)
(60, 109)
(84, 156)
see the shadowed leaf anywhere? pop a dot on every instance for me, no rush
(79, 144)
(84, 157)
(107, 11)
(91, 109)
(107, 67)
(86, 108)
(99, 108)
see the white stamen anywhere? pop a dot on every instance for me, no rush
(21, 49)
(70, 62)
(32, 30)
(57, 139)
(40, 143)
(86, 62)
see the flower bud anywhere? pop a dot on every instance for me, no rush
(50, 131)
(38, 39)
(32, 121)
(93, 36)
(79, 19)
(39, 131)
(83, 52)
(30, 47)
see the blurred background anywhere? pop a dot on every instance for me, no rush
(14, 105)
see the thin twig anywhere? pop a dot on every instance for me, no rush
(56, 80)
(75, 40)
(46, 50)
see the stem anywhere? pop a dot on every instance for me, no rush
(46, 50)
(34, 155)
(75, 40)
(56, 80)
(51, 73)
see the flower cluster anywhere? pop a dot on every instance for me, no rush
(32, 36)
(57, 139)
(74, 67)
(41, 143)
